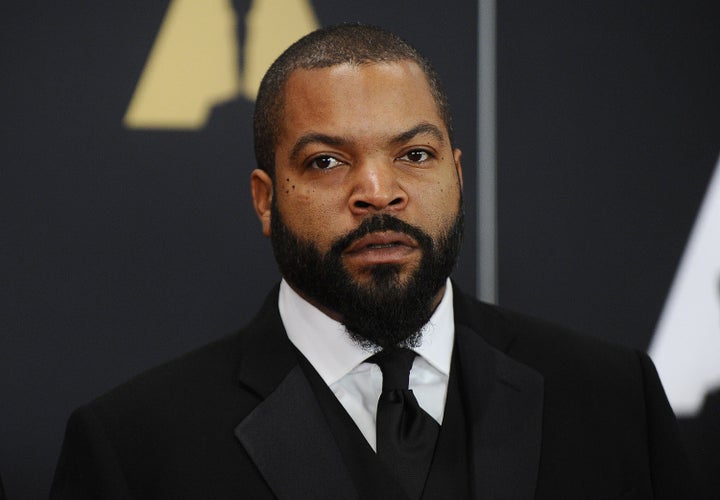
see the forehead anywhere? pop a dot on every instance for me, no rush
(372, 98)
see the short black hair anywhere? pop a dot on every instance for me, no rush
(347, 43)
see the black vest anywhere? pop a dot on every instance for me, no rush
(449, 475)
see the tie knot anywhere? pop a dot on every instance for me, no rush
(395, 365)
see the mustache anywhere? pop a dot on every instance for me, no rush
(377, 224)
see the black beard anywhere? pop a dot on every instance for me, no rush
(387, 312)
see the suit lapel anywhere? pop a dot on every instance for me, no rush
(286, 435)
(290, 442)
(504, 401)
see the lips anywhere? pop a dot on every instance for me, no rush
(380, 241)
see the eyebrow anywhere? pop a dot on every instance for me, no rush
(338, 141)
(423, 128)
(315, 138)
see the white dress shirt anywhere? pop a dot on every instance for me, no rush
(341, 362)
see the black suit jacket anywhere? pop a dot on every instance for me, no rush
(550, 414)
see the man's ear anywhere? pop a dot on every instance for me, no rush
(457, 154)
(261, 187)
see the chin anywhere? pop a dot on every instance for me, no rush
(395, 275)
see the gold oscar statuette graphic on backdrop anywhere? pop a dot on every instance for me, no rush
(194, 64)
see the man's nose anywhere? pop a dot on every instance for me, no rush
(375, 188)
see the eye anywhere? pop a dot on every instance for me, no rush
(324, 162)
(416, 156)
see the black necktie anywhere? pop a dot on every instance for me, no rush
(406, 435)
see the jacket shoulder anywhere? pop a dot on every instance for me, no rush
(197, 376)
(604, 407)
(542, 344)
(154, 435)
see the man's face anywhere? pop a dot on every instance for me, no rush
(366, 186)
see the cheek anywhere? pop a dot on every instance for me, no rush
(309, 212)
(439, 197)
(326, 195)
(287, 185)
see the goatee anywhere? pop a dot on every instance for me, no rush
(386, 312)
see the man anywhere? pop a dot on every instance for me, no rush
(367, 374)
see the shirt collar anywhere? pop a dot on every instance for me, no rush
(331, 351)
